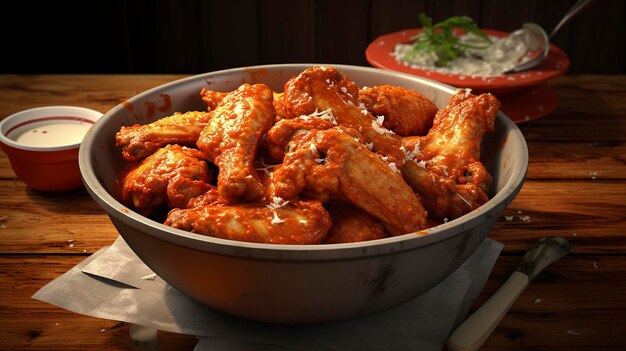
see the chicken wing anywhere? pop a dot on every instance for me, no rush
(444, 167)
(278, 222)
(278, 137)
(174, 175)
(140, 141)
(321, 164)
(326, 89)
(406, 112)
(351, 224)
(231, 140)
(211, 98)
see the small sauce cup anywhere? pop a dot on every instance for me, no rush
(42, 145)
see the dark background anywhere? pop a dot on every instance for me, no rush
(197, 36)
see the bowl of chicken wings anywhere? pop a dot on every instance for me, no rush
(302, 193)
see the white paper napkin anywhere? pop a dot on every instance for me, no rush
(115, 284)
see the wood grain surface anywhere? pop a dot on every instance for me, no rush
(575, 188)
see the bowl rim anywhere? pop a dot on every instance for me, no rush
(118, 211)
(42, 113)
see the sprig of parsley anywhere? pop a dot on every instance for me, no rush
(441, 40)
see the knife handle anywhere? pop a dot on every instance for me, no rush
(478, 327)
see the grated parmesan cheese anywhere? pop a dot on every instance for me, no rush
(464, 200)
(393, 167)
(277, 202)
(445, 170)
(326, 114)
(377, 124)
(265, 167)
(276, 219)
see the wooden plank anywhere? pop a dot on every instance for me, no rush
(6, 172)
(573, 127)
(591, 214)
(101, 93)
(30, 324)
(578, 98)
(575, 304)
(582, 294)
(70, 223)
(572, 160)
(584, 84)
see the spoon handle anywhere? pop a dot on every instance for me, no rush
(479, 326)
(576, 9)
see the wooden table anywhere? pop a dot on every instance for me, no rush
(576, 188)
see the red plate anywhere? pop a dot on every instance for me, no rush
(378, 54)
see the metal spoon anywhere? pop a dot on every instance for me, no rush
(478, 327)
(535, 34)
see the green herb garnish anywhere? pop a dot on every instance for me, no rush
(440, 39)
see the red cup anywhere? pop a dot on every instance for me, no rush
(42, 145)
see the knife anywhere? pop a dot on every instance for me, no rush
(478, 327)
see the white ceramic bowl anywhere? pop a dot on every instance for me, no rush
(296, 283)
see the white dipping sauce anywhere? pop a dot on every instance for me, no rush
(54, 134)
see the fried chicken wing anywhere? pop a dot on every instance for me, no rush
(231, 140)
(174, 175)
(211, 98)
(278, 222)
(406, 112)
(140, 141)
(326, 89)
(351, 224)
(444, 168)
(279, 136)
(321, 164)
(279, 107)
